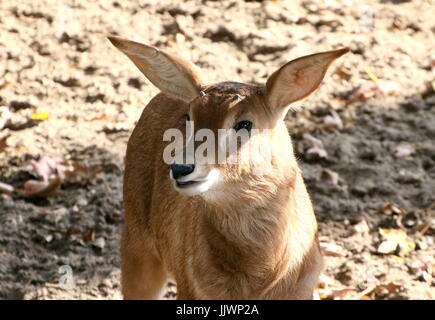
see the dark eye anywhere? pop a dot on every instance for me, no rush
(243, 125)
(186, 117)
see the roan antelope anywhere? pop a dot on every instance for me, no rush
(220, 230)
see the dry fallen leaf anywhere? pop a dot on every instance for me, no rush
(385, 87)
(326, 282)
(403, 150)
(89, 236)
(361, 227)
(391, 208)
(344, 73)
(41, 116)
(114, 127)
(6, 84)
(388, 88)
(329, 292)
(3, 142)
(100, 242)
(396, 241)
(36, 188)
(423, 227)
(47, 168)
(338, 294)
(329, 176)
(48, 238)
(364, 92)
(103, 117)
(5, 116)
(366, 294)
(331, 249)
(423, 268)
(52, 175)
(316, 146)
(389, 288)
(329, 21)
(332, 121)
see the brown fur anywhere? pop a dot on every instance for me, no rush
(253, 237)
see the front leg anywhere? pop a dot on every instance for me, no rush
(142, 273)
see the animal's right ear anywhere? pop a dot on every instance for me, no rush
(171, 74)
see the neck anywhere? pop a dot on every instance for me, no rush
(261, 237)
(254, 226)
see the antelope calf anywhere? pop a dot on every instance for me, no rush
(220, 230)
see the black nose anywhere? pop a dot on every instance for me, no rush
(181, 170)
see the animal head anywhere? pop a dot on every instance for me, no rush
(250, 143)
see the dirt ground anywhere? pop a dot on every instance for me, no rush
(67, 95)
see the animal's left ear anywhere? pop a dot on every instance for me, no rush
(298, 78)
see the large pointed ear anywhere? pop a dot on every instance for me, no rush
(171, 74)
(298, 78)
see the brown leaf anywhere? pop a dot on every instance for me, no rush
(71, 231)
(103, 117)
(364, 92)
(114, 127)
(36, 188)
(3, 142)
(391, 208)
(6, 84)
(329, 176)
(114, 217)
(389, 288)
(89, 236)
(344, 73)
(329, 21)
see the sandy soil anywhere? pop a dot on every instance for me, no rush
(378, 172)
